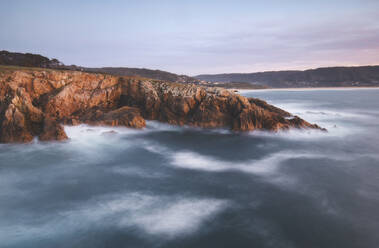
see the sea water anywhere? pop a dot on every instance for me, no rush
(168, 186)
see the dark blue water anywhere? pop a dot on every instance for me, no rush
(167, 186)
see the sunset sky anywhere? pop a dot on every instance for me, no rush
(197, 36)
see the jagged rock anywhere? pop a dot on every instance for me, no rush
(84, 92)
(14, 128)
(52, 130)
(36, 103)
(124, 116)
(269, 107)
(20, 120)
(205, 107)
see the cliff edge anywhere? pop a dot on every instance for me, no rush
(35, 102)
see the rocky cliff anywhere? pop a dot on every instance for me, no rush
(34, 103)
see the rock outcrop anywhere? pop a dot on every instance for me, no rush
(34, 103)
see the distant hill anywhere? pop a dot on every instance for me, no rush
(321, 77)
(233, 85)
(36, 60)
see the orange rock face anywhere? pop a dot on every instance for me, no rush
(206, 107)
(34, 103)
(124, 116)
(52, 130)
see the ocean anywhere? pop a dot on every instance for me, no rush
(169, 186)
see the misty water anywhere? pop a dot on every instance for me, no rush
(168, 186)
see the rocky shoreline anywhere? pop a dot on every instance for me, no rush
(36, 102)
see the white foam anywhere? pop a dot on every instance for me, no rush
(191, 160)
(304, 134)
(92, 133)
(314, 112)
(160, 126)
(178, 218)
(166, 216)
(134, 171)
(95, 143)
(159, 215)
(337, 122)
(265, 166)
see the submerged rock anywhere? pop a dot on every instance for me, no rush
(36, 103)
(109, 133)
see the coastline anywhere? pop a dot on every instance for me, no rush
(305, 89)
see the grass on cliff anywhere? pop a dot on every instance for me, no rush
(11, 68)
(22, 68)
(7, 68)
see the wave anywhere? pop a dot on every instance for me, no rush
(165, 216)
(196, 161)
(180, 217)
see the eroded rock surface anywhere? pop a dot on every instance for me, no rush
(36, 103)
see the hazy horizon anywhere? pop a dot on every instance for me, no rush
(195, 37)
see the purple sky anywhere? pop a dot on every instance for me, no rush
(194, 37)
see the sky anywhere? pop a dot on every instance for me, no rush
(195, 36)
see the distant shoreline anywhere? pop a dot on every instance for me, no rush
(307, 89)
